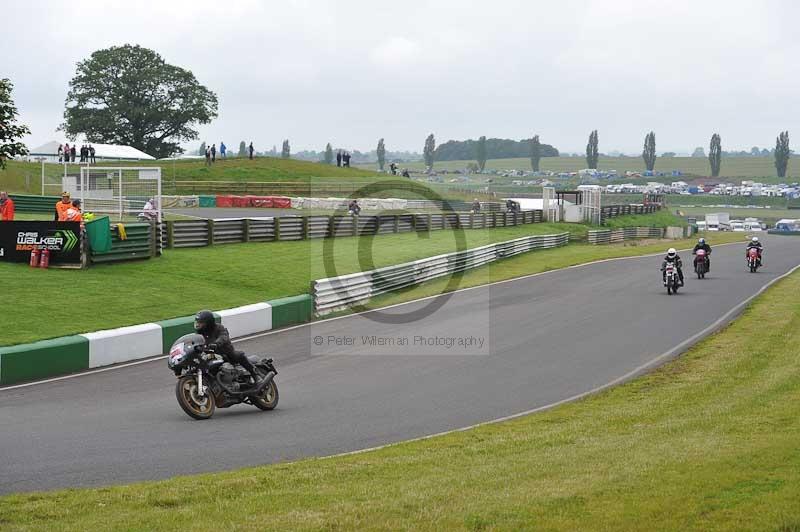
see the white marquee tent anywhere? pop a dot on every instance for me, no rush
(106, 152)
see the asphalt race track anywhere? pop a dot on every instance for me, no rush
(545, 338)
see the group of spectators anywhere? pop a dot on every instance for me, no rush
(393, 170)
(343, 159)
(211, 153)
(67, 153)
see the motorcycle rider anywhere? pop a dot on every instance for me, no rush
(701, 244)
(219, 340)
(754, 243)
(672, 258)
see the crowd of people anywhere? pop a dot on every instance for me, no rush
(211, 152)
(68, 154)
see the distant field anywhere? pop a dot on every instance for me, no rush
(734, 167)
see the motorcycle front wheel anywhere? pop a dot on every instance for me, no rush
(193, 404)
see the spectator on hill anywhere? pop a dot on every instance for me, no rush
(222, 149)
(62, 206)
(393, 168)
(72, 153)
(251, 149)
(213, 153)
(66, 152)
(339, 158)
(84, 154)
(208, 156)
(91, 154)
(405, 173)
(354, 208)
(6, 207)
(346, 159)
(60, 153)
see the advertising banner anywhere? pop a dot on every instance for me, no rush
(62, 239)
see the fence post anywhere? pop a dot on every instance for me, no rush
(396, 223)
(305, 228)
(413, 223)
(154, 230)
(277, 228)
(429, 222)
(170, 233)
(331, 226)
(210, 226)
(246, 229)
(355, 225)
(471, 220)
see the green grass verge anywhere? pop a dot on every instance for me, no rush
(662, 218)
(706, 442)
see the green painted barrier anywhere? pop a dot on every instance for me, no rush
(208, 201)
(43, 359)
(291, 310)
(25, 203)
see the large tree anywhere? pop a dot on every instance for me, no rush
(380, 151)
(242, 149)
(536, 153)
(480, 153)
(715, 154)
(328, 154)
(129, 95)
(649, 151)
(591, 150)
(10, 131)
(782, 153)
(285, 150)
(427, 151)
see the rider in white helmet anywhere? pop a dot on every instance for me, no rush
(754, 243)
(672, 258)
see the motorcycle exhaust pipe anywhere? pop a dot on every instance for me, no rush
(264, 383)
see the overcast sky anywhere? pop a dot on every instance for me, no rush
(351, 71)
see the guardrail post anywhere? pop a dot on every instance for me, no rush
(210, 226)
(305, 228)
(170, 234)
(396, 223)
(355, 225)
(277, 228)
(413, 223)
(246, 229)
(429, 222)
(331, 226)
(471, 220)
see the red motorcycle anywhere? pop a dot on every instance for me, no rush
(753, 259)
(700, 263)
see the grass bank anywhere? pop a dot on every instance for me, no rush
(707, 442)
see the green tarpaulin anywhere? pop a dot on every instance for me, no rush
(98, 231)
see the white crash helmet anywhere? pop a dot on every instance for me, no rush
(701, 241)
(671, 252)
(755, 239)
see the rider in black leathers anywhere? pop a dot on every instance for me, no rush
(672, 257)
(701, 244)
(219, 340)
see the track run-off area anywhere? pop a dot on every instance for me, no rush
(376, 378)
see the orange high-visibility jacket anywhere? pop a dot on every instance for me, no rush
(61, 209)
(7, 211)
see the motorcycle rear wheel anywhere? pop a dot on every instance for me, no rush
(195, 406)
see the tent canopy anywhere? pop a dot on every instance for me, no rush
(102, 151)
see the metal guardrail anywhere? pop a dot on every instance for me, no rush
(336, 293)
(196, 233)
(612, 211)
(612, 236)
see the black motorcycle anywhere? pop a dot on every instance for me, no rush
(206, 381)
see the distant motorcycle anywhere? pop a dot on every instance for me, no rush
(753, 259)
(206, 381)
(673, 281)
(700, 263)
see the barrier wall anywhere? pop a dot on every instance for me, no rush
(70, 354)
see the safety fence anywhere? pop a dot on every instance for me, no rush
(142, 241)
(612, 211)
(195, 233)
(35, 204)
(337, 293)
(613, 236)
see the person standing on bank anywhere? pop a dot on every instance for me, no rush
(6, 207)
(251, 150)
(91, 154)
(60, 153)
(72, 153)
(213, 153)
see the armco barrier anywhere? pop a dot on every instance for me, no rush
(26, 203)
(193, 233)
(613, 236)
(336, 293)
(80, 352)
